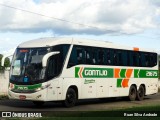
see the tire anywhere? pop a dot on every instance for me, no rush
(38, 103)
(140, 93)
(132, 93)
(71, 98)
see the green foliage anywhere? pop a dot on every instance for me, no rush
(3, 97)
(104, 115)
(0, 58)
(6, 63)
(1, 68)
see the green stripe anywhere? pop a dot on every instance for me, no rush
(109, 73)
(76, 72)
(136, 73)
(123, 73)
(146, 73)
(28, 87)
(119, 81)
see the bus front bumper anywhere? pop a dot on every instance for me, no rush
(36, 96)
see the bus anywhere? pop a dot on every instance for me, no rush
(69, 69)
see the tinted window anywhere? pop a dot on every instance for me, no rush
(107, 56)
(55, 63)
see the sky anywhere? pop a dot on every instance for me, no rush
(134, 23)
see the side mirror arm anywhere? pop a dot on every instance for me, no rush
(45, 57)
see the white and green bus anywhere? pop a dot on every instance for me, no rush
(67, 69)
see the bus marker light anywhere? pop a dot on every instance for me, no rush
(23, 51)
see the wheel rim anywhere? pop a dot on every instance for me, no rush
(70, 97)
(133, 93)
(141, 92)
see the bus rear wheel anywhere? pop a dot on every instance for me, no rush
(71, 98)
(132, 93)
(140, 93)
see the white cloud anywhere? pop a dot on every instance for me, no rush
(9, 52)
(7, 45)
(113, 16)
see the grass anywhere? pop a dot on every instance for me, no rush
(100, 115)
(155, 108)
(104, 114)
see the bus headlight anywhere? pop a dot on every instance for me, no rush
(38, 89)
(42, 88)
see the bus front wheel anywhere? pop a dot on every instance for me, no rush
(132, 93)
(71, 98)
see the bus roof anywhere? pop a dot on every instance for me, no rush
(46, 42)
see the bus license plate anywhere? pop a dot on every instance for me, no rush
(22, 97)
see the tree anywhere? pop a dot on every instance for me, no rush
(1, 58)
(6, 63)
(1, 68)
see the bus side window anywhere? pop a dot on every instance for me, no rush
(80, 55)
(101, 57)
(94, 56)
(130, 58)
(118, 58)
(124, 58)
(53, 69)
(154, 62)
(64, 50)
(88, 55)
(115, 59)
(146, 59)
(108, 57)
(111, 51)
(73, 58)
(142, 59)
(135, 56)
(151, 60)
(105, 57)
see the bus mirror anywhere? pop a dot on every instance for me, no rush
(45, 57)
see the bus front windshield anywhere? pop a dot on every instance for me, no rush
(27, 67)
